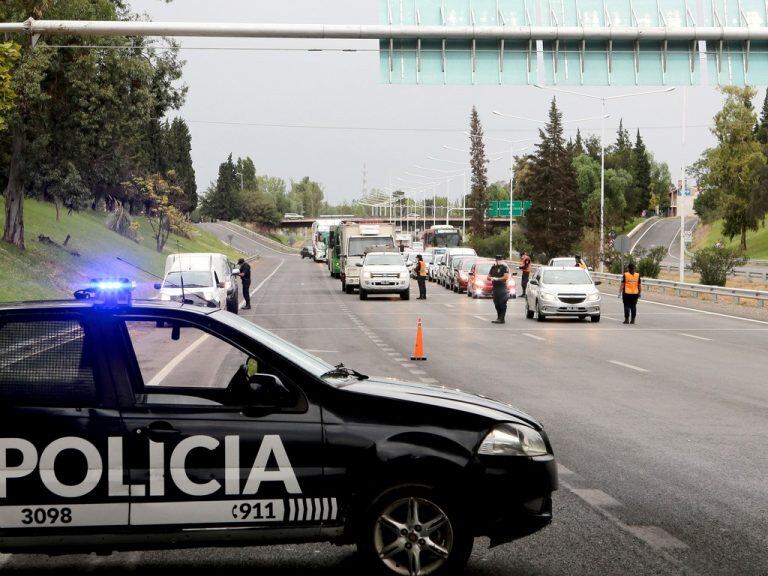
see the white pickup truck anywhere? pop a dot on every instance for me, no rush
(384, 273)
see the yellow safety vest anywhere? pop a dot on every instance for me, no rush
(631, 283)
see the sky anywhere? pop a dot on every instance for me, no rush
(329, 114)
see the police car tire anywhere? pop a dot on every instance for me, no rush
(462, 537)
(349, 289)
(595, 318)
(363, 294)
(405, 295)
(539, 316)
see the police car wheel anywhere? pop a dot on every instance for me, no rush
(414, 530)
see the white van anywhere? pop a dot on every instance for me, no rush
(206, 278)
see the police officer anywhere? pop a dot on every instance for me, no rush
(525, 267)
(630, 293)
(499, 274)
(421, 277)
(245, 278)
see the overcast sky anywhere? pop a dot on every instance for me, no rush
(341, 95)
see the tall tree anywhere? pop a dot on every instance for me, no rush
(177, 157)
(733, 168)
(555, 219)
(9, 54)
(307, 196)
(578, 145)
(761, 128)
(638, 200)
(246, 171)
(478, 197)
(221, 200)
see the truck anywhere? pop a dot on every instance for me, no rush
(353, 239)
(320, 237)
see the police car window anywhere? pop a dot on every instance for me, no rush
(190, 367)
(45, 363)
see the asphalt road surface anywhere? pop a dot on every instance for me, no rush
(660, 428)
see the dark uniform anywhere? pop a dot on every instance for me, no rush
(245, 278)
(500, 290)
(421, 277)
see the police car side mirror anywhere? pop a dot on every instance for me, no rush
(158, 285)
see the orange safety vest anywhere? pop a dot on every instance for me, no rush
(582, 265)
(631, 283)
(526, 264)
(422, 268)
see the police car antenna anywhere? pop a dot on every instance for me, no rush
(181, 276)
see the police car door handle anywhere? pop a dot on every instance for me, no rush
(158, 430)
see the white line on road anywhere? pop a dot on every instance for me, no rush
(630, 366)
(642, 235)
(321, 351)
(705, 312)
(448, 305)
(596, 498)
(534, 337)
(481, 318)
(230, 231)
(695, 337)
(428, 380)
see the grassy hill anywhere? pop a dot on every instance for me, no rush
(47, 271)
(757, 242)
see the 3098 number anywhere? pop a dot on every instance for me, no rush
(46, 515)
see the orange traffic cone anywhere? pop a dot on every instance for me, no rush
(418, 349)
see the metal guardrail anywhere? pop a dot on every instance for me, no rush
(697, 290)
(748, 274)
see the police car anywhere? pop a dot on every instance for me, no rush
(134, 425)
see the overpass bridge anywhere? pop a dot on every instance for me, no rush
(413, 223)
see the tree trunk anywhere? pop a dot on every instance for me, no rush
(56, 203)
(743, 238)
(14, 195)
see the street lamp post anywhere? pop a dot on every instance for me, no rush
(603, 100)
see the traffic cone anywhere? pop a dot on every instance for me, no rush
(418, 349)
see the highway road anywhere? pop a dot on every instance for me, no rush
(659, 428)
(663, 232)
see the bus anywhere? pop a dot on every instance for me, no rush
(441, 236)
(321, 230)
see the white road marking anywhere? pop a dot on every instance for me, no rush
(534, 337)
(642, 235)
(321, 351)
(428, 380)
(695, 337)
(596, 498)
(257, 242)
(563, 470)
(417, 372)
(483, 319)
(611, 318)
(630, 366)
(174, 362)
(449, 305)
(657, 537)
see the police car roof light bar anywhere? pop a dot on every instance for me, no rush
(108, 291)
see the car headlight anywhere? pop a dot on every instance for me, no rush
(367, 275)
(513, 440)
(548, 297)
(479, 283)
(403, 275)
(593, 298)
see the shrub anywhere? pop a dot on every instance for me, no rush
(649, 265)
(120, 221)
(489, 246)
(715, 263)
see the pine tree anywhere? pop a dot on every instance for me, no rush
(578, 145)
(220, 201)
(641, 176)
(761, 128)
(478, 198)
(177, 156)
(554, 221)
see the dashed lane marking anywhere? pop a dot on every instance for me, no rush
(563, 469)
(629, 366)
(695, 337)
(534, 337)
(611, 318)
(596, 498)
(656, 537)
(483, 319)
(449, 305)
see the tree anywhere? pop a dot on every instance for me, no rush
(498, 191)
(578, 145)
(761, 128)
(735, 168)
(221, 199)
(246, 172)
(81, 117)
(661, 183)
(307, 197)
(640, 196)
(257, 208)
(176, 156)
(555, 219)
(478, 197)
(9, 54)
(715, 263)
(158, 197)
(274, 189)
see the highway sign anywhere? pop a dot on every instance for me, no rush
(500, 208)
(688, 236)
(623, 244)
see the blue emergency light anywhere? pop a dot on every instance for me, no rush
(108, 291)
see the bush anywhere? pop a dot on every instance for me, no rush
(120, 221)
(715, 263)
(649, 265)
(498, 243)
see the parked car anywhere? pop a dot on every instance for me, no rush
(565, 261)
(460, 276)
(307, 251)
(204, 278)
(433, 271)
(479, 285)
(384, 273)
(560, 291)
(446, 272)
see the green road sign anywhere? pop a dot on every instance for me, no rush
(603, 58)
(500, 208)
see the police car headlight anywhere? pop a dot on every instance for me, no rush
(513, 440)
(548, 297)
(593, 298)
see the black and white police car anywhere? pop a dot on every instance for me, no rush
(135, 425)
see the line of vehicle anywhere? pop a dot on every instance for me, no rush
(179, 358)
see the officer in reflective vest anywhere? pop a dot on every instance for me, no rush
(580, 263)
(421, 277)
(525, 267)
(630, 293)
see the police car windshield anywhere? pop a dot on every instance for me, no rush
(190, 279)
(578, 276)
(291, 352)
(384, 260)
